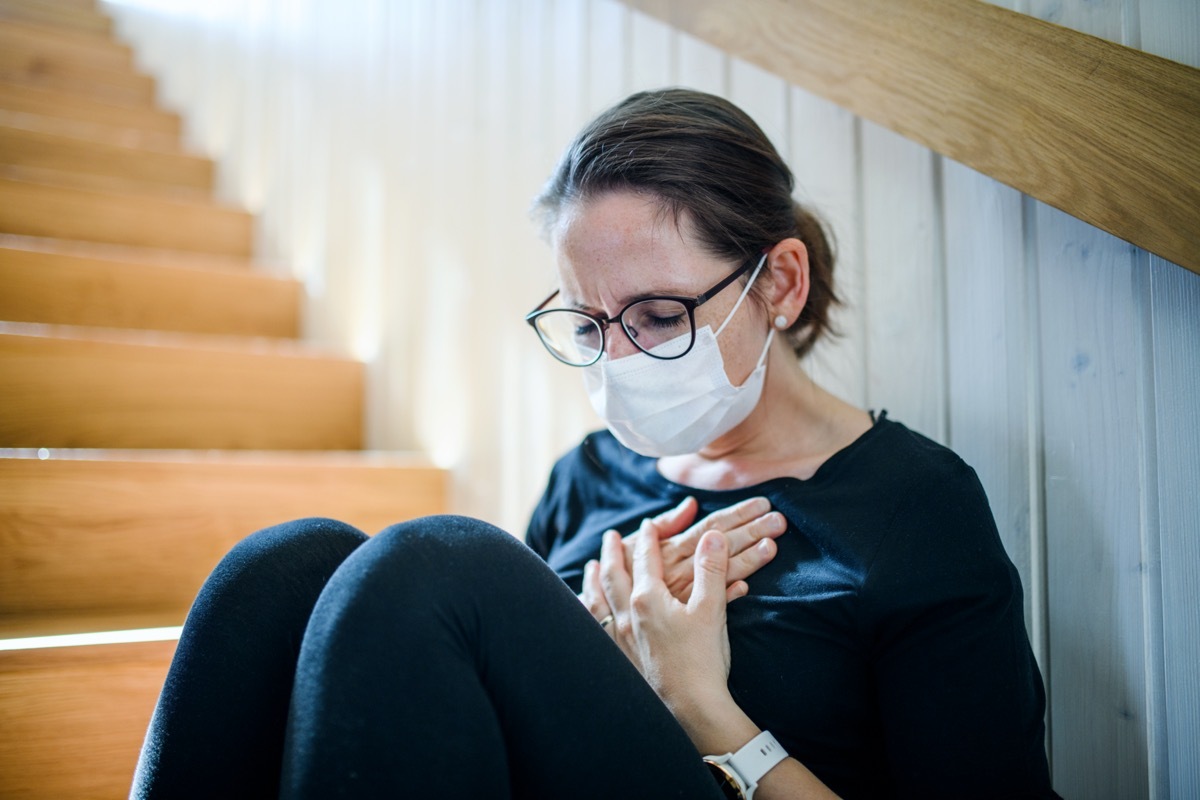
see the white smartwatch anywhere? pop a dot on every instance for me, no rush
(738, 773)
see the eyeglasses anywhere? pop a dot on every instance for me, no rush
(661, 326)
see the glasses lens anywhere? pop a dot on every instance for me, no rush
(660, 327)
(573, 338)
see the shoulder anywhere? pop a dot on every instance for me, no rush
(904, 472)
(939, 529)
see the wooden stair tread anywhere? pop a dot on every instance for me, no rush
(108, 133)
(67, 16)
(84, 387)
(54, 211)
(74, 717)
(61, 153)
(70, 105)
(91, 539)
(23, 59)
(87, 46)
(129, 254)
(103, 183)
(63, 289)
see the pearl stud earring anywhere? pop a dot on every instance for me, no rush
(781, 322)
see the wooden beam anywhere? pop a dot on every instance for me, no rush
(1106, 133)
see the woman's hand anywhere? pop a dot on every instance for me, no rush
(682, 649)
(750, 528)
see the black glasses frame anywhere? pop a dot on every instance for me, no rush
(690, 303)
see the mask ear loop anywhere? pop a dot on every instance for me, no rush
(742, 296)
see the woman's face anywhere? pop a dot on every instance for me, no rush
(621, 246)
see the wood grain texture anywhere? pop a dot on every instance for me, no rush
(64, 289)
(23, 62)
(40, 209)
(108, 533)
(87, 387)
(74, 717)
(72, 106)
(1103, 132)
(103, 52)
(67, 16)
(49, 151)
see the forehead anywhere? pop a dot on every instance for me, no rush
(623, 244)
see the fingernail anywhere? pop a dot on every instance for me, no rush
(712, 544)
(764, 546)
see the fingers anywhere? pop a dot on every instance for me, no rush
(766, 525)
(593, 593)
(712, 565)
(677, 519)
(615, 582)
(751, 560)
(647, 557)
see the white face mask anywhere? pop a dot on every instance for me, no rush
(671, 407)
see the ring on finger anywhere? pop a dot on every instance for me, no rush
(604, 623)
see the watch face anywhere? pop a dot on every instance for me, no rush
(729, 785)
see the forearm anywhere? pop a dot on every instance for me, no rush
(719, 726)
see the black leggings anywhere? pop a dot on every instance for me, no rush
(440, 658)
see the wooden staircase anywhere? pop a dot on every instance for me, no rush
(155, 404)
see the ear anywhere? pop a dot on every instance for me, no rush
(789, 280)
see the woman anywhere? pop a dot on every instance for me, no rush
(812, 597)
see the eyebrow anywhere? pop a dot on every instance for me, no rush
(629, 300)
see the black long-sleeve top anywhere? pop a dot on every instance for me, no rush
(885, 645)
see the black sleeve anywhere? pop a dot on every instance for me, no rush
(959, 693)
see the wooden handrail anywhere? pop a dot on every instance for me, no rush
(1106, 133)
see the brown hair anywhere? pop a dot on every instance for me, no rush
(702, 156)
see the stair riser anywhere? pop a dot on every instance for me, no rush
(70, 106)
(84, 393)
(68, 290)
(59, 15)
(56, 43)
(50, 152)
(74, 717)
(22, 63)
(83, 538)
(32, 209)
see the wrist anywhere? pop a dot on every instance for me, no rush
(714, 723)
(738, 773)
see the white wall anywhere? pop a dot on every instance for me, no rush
(391, 150)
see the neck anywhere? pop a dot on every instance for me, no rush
(794, 428)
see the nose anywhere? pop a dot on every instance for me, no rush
(617, 343)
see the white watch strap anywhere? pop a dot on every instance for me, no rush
(757, 757)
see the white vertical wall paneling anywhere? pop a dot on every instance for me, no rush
(608, 66)
(1090, 397)
(824, 160)
(700, 65)
(904, 282)
(764, 97)
(1176, 333)
(988, 351)
(1171, 28)
(651, 52)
